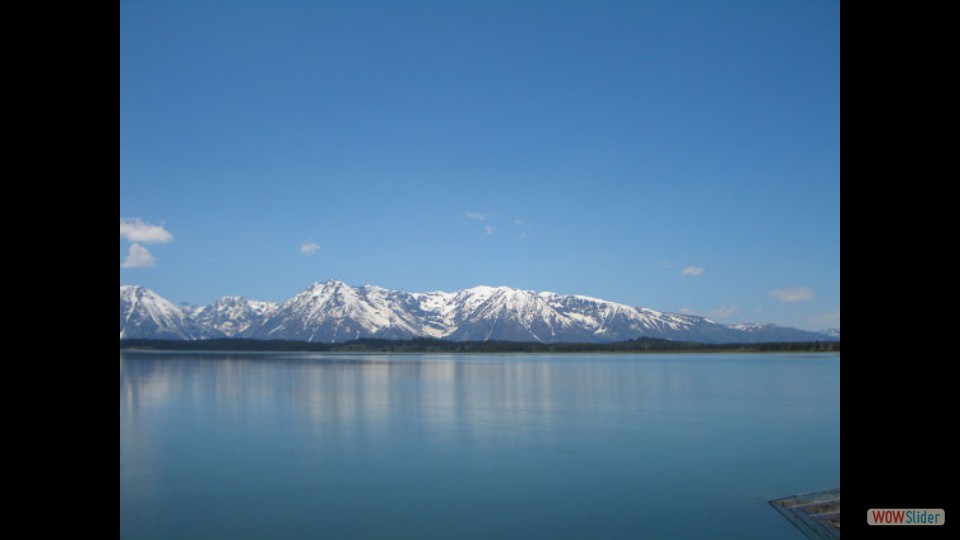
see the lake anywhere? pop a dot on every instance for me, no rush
(311, 446)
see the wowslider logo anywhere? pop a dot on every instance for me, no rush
(914, 518)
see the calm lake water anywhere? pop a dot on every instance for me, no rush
(281, 446)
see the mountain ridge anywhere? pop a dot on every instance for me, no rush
(335, 312)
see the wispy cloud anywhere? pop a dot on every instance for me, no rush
(489, 229)
(139, 257)
(521, 228)
(725, 312)
(477, 216)
(793, 294)
(310, 248)
(693, 271)
(138, 231)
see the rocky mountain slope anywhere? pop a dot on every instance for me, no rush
(336, 312)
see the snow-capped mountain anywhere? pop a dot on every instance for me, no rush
(774, 333)
(832, 332)
(234, 316)
(336, 312)
(146, 314)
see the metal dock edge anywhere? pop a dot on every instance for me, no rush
(816, 515)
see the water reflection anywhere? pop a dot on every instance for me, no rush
(372, 397)
(445, 397)
(436, 435)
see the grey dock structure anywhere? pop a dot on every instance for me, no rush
(817, 514)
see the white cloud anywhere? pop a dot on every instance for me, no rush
(139, 257)
(693, 271)
(489, 230)
(687, 311)
(136, 230)
(518, 222)
(793, 294)
(310, 248)
(477, 216)
(725, 312)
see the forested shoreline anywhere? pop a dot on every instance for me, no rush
(469, 347)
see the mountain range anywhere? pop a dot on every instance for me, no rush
(334, 312)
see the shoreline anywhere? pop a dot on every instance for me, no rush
(438, 347)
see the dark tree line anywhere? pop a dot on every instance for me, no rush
(644, 345)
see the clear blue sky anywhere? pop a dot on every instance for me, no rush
(602, 148)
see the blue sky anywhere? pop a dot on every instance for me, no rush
(682, 156)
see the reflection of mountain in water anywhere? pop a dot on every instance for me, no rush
(255, 443)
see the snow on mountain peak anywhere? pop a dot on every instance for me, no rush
(234, 316)
(333, 311)
(144, 312)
